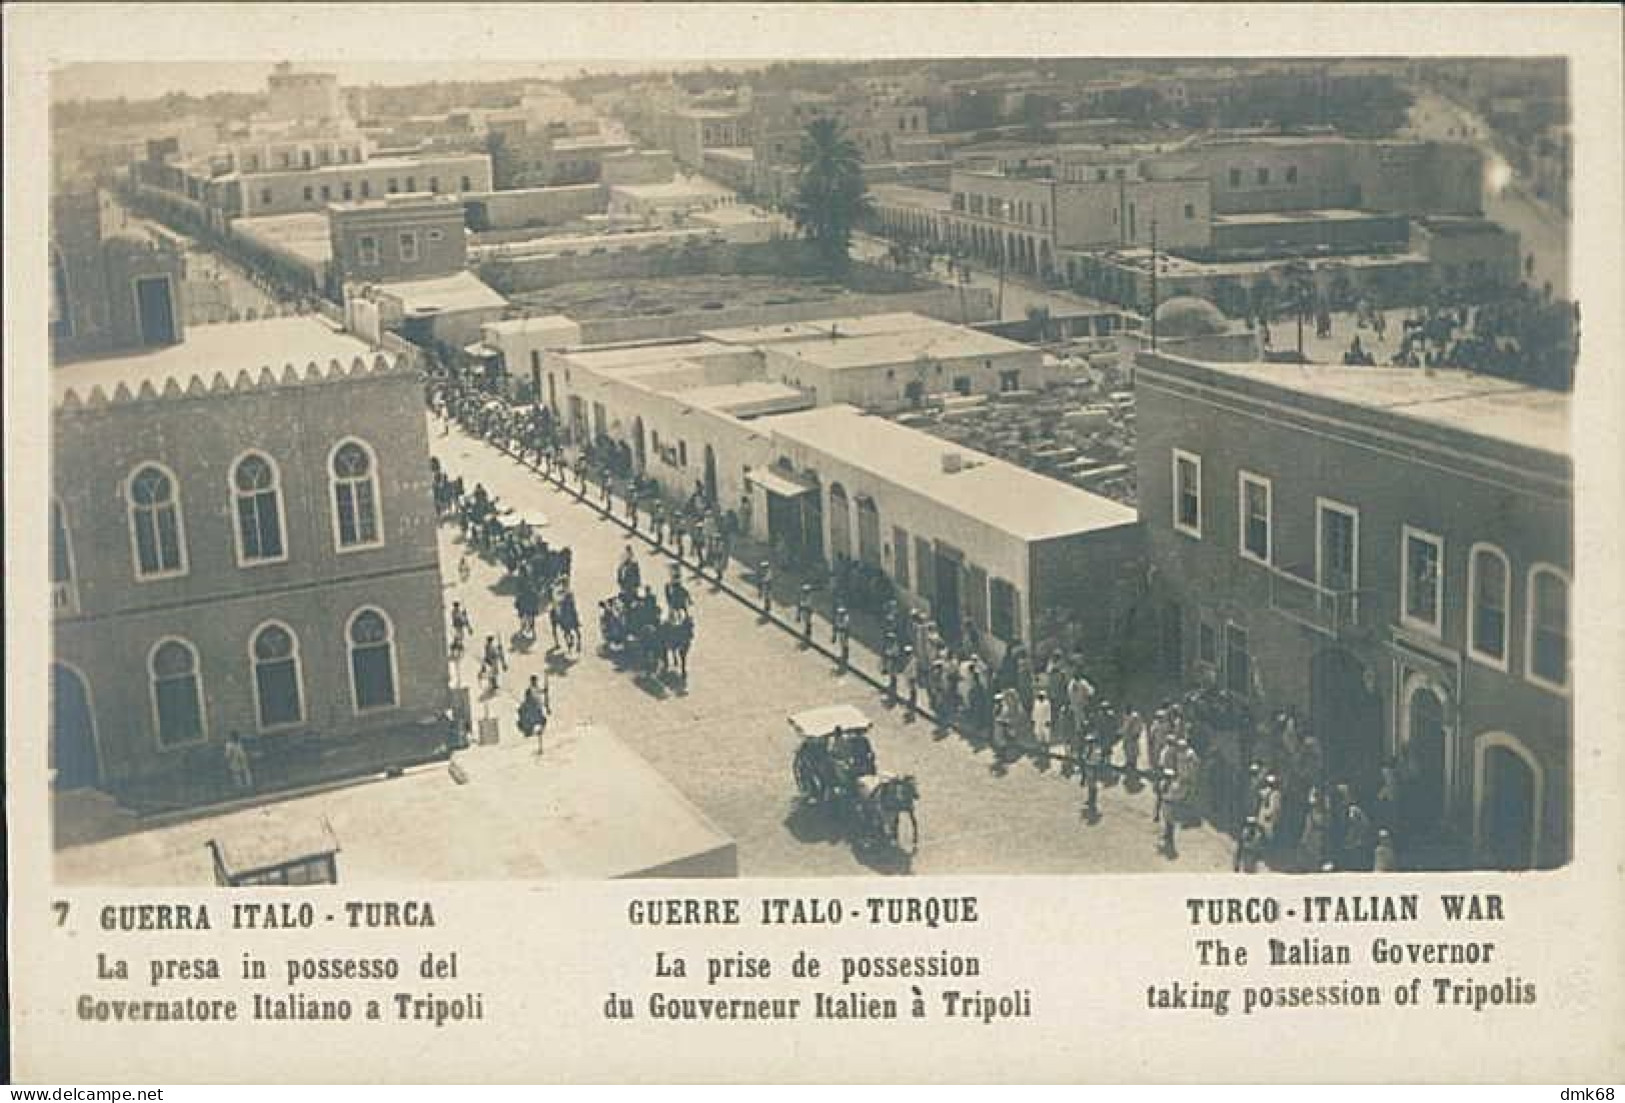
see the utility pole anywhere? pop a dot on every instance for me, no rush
(1153, 285)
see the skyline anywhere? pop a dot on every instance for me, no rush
(105, 80)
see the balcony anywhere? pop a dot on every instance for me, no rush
(64, 599)
(1299, 598)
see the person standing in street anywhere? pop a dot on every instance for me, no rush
(911, 681)
(804, 613)
(1043, 716)
(764, 588)
(841, 626)
(492, 664)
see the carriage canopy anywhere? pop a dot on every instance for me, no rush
(822, 721)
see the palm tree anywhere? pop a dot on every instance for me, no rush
(831, 195)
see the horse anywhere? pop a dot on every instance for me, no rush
(888, 807)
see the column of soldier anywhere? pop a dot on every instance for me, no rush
(1299, 819)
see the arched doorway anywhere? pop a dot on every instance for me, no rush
(1506, 803)
(73, 730)
(1346, 716)
(710, 474)
(1425, 759)
(640, 459)
(868, 531)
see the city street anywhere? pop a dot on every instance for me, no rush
(724, 742)
(1543, 231)
(1019, 295)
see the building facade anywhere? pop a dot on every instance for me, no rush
(1389, 554)
(109, 289)
(240, 547)
(405, 237)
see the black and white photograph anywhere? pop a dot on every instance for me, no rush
(974, 466)
(547, 468)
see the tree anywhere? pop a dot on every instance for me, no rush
(831, 195)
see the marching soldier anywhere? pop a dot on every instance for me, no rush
(1170, 796)
(764, 587)
(841, 625)
(804, 612)
(1093, 763)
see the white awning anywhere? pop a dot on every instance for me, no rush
(776, 483)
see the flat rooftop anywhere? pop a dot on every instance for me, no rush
(904, 196)
(745, 399)
(459, 291)
(535, 323)
(689, 187)
(588, 808)
(1481, 406)
(305, 234)
(661, 354)
(859, 325)
(227, 347)
(1318, 214)
(1009, 498)
(856, 352)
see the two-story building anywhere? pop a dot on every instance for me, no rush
(243, 540)
(1388, 551)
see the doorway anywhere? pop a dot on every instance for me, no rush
(710, 473)
(639, 455)
(155, 310)
(1346, 716)
(73, 732)
(1509, 803)
(945, 606)
(1426, 760)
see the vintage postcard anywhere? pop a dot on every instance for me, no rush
(659, 542)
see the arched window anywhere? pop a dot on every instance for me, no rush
(177, 694)
(157, 537)
(278, 697)
(256, 488)
(1490, 586)
(355, 497)
(372, 660)
(62, 591)
(1546, 648)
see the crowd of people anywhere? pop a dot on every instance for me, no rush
(1515, 335)
(1202, 754)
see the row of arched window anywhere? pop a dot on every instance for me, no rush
(158, 546)
(175, 672)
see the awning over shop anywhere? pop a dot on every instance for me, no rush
(481, 351)
(777, 483)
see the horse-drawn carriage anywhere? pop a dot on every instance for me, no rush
(834, 767)
(635, 634)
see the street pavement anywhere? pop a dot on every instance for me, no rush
(1542, 229)
(723, 739)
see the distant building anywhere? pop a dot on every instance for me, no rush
(242, 540)
(400, 237)
(1388, 552)
(759, 421)
(296, 161)
(303, 96)
(110, 289)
